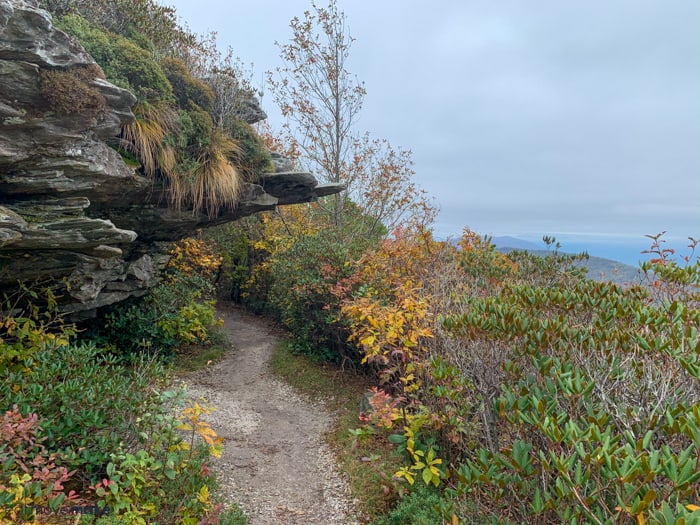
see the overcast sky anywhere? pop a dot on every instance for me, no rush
(524, 118)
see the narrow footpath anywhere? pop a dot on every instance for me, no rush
(275, 464)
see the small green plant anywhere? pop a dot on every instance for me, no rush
(233, 516)
(421, 506)
(29, 324)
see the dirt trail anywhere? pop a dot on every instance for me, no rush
(275, 464)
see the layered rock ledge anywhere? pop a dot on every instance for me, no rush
(72, 213)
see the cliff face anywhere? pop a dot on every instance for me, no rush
(71, 211)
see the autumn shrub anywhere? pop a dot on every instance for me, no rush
(285, 264)
(29, 476)
(303, 278)
(180, 310)
(387, 311)
(529, 392)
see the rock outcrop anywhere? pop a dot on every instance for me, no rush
(71, 211)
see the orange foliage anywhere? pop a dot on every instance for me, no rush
(190, 256)
(390, 315)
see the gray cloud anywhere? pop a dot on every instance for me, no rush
(523, 117)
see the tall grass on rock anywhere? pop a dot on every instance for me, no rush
(146, 137)
(217, 183)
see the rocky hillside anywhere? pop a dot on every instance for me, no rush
(72, 212)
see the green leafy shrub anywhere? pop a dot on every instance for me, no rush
(173, 313)
(598, 415)
(186, 88)
(156, 25)
(114, 428)
(89, 405)
(196, 128)
(421, 506)
(124, 63)
(180, 310)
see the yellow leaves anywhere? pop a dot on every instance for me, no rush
(405, 472)
(181, 445)
(392, 333)
(190, 256)
(370, 340)
(424, 463)
(191, 422)
(203, 495)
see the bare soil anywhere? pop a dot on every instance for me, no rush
(275, 463)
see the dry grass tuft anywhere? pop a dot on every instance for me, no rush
(216, 183)
(145, 138)
(205, 183)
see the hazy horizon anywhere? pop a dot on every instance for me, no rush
(571, 117)
(622, 248)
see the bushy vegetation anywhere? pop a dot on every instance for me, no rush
(419, 507)
(69, 92)
(526, 390)
(519, 389)
(178, 311)
(124, 63)
(85, 430)
(511, 388)
(289, 264)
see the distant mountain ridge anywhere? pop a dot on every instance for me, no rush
(599, 268)
(514, 243)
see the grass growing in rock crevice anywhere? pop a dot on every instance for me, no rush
(366, 460)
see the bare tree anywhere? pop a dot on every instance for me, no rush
(321, 101)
